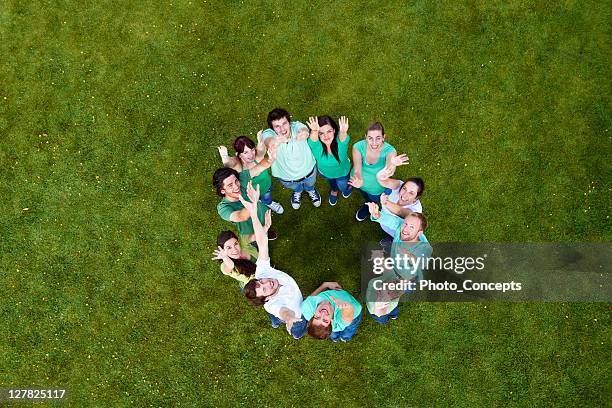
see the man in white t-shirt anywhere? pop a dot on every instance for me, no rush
(275, 290)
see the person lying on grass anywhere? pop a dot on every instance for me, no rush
(409, 243)
(227, 184)
(329, 145)
(295, 166)
(369, 157)
(236, 262)
(250, 162)
(332, 313)
(275, 290)
(403, 199)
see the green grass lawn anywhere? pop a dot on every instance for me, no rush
(110, 114)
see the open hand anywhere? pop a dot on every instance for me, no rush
(400, 160)
(220, 253)
(268, 220)
(374, 210)
(356, 181)
(344, 124)
(383, 199)
(222, 151)
(313, 123)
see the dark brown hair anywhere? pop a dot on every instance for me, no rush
(276, 114)
(319, 332)
(220, 175)
(375, 126)
(244, 267)
(251, 294)
(241, 142)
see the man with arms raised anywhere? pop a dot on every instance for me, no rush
(409, 242)
(295, 166)
(275, 290)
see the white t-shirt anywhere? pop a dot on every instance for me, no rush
(394, 198)
(287, 296)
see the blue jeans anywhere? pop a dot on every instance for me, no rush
(308, 184)
(266, 198)
(348, 332)
(339, 184)
(385, 318)
(372, 198)
(298, 330)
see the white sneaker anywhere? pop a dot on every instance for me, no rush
(276, 207)
(315, 197)
(295, 200)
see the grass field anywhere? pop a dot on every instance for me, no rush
(110, 114)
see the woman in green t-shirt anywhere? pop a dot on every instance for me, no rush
(369, 157)
(235, 262)
(250, 162)
(329, 145)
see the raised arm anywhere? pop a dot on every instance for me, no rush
(313, 124)
(260, 234)
(357, 162)
(240, 215)
(229, 161)
(261, 147)
(326, 286)
(344, 126)
(394, 208)
(221, 254)
(288, 317)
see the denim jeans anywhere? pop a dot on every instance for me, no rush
(348, 332)
(339, 184)
(266, 198)
(372, 198)
(308, 184)
(385, 318)
(298, 330)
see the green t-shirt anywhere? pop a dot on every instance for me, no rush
(421, 250)
(327, 163)
(368, 171)
(225, 209)
(293, 159)
(263, 180)
(309, 305)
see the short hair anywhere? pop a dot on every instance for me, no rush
(276, 114)
(241, 142)
(251, 294)
(375, 126)
(421, 217)
(319, 332)
(419, 182)
(220, 176)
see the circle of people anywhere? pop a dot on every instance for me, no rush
(296, 154)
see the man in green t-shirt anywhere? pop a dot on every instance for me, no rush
(227, 184)
(295, 166)
(331, 313)
(410, 246)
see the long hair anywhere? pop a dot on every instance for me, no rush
(244, 266)
(327, 120)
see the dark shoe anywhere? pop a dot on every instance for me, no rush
(362, 213)
(272, 234)
(333, 199)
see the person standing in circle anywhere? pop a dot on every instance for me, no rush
(329, 145)
(369, 157)
(295, 166)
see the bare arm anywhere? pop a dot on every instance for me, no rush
(261, 147)
(394, 208)
(221, 254)
(260, 234)
(357, 162)
(240, 215)
(229, 161)
(326, 286)
(260, 167)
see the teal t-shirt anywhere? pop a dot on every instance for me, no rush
(263, 180)
(294, 160)
(309, 305)
(368, 171)
(225, 209)
(327, 163)
(421, 250)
